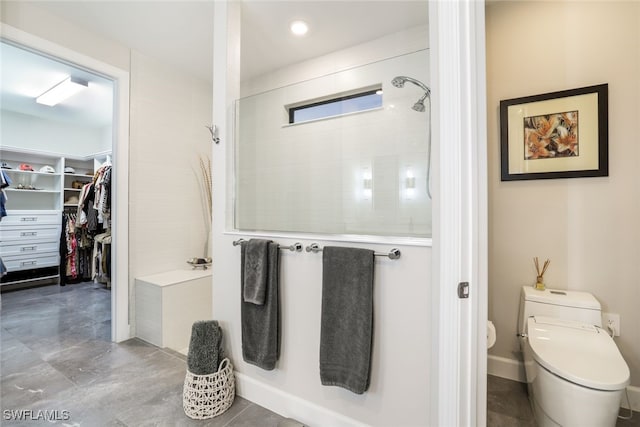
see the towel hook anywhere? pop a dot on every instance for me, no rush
(213, 129)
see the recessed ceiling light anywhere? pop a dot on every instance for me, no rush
(299, 28)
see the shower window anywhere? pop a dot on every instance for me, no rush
(356, 174)
(336, 105)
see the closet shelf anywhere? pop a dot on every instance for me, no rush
(21, 172)
(24, 190)
(80, 175)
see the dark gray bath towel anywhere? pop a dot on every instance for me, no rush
(261, 323)
(205, 348)
(256, 271)
(347, 317)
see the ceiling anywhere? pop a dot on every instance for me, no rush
(180, 33)
(267, 44)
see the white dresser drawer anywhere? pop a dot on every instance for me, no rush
(33, 233)
(28, 218)
(32, 248)
(26, 262)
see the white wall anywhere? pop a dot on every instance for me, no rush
(27, 16)
(587, 227)
(399, 391)
(169, 112)
(36, 133)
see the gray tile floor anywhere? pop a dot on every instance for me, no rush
(507, 404)
(56, 359)
(56, 355)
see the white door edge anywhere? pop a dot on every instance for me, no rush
(458, 385)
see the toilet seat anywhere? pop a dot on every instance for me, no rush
(583, 354)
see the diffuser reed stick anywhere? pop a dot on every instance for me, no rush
(205, 183)
(205, 170)
(540, 279)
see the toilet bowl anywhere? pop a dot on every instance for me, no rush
(575, 373)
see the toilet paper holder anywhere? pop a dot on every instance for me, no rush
(491, 334)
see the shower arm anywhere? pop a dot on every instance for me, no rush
(423, 97)
(418, 83)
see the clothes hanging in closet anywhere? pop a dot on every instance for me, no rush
(82, 256)
(89, 248)
(75, 251)
(94, 206)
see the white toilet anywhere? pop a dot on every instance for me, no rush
(575, 373)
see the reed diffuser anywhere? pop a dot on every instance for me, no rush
(540, 279)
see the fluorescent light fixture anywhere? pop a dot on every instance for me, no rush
(299, 28)
(63, 90)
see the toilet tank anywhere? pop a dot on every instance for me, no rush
(559, 304)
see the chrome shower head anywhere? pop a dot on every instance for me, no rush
(419, 106)
(398, 81)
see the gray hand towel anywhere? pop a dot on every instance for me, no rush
(205, 348)
(256, 271)
(261, 323)
(346, 328)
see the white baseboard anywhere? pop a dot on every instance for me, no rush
(506, 368)
(290, 406)
(634, 398)
(512, 369)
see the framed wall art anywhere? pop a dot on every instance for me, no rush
(555, 135)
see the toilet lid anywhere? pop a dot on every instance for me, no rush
(581, 353)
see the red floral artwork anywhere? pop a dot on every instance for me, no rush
(551, 136)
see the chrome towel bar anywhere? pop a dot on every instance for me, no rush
(392, 254)
(296, 247)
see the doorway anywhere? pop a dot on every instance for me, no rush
(113, 147)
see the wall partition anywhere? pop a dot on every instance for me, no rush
(344, 153)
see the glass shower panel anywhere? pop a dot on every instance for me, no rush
(362, 173)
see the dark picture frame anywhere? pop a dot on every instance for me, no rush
(555, 135)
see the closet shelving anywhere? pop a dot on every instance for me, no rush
(33, 190)
(74, 181)
(30, 233)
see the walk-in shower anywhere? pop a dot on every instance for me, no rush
(399, 82)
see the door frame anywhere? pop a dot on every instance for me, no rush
(120, 328)
(457, 40)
